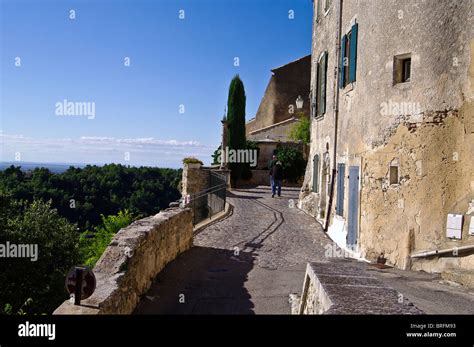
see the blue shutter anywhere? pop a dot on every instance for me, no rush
(316, 173)
(353, 57)
(318, 81)
(341, 169)
(324, 63)
(341, 67)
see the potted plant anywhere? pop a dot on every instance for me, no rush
(192, 163)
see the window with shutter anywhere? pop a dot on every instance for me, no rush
(353, 54)
(348, 63)
(316, 93)
(347, 58)
(341, 63)
(318, 9)
(341, 169)
(316, 173)
(322, 86)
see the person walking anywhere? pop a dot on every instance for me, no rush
(277, 176)
(271, 163)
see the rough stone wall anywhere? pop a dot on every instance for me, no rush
(316, 301)
(313, 299)
(132, 260)
(266, 109)
(265, 153)
(267, 149)
(278, 132)
(194, 180)
(344, 287)
(411, 216)
(286, 83)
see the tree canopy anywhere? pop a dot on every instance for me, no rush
(82, 195)
(71, 218)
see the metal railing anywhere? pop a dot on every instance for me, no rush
(210, 201)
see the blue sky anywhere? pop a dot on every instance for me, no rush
(173, 62)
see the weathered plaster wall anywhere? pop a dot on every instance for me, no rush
(438, 123)
(435, 179)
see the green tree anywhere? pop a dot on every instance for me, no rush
(236, 123)
(301, 130)
(216, 156)
(92, 245)
(22, 311)
(38, 224)
(83, 194)
(292, 161)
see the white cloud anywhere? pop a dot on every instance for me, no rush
(146, 140)
(99, 150)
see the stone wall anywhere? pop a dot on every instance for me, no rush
(266, 149)
(130, 263)
(437, 178)
(345, 287)
(194, 179)
(286, 83)
(277, 132)
(198, 178)
(262, 178)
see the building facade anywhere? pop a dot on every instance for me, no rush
(279, 112)
(392, 130)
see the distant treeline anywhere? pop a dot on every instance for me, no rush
(44, 209)
(82, 195)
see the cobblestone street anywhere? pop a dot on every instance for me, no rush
(249, 262)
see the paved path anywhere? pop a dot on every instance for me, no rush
(247, 263)
(428, 291)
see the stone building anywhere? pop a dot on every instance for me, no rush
(392, 130)
(278, 111)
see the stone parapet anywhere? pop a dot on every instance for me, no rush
(132, 260)
(342, 287)
(195, 179)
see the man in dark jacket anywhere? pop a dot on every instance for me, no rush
(271, 163)
(277, 175)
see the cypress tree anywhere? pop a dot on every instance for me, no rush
(236, 123)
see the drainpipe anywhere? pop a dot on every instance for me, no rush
(336, 117)
(442, 251)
